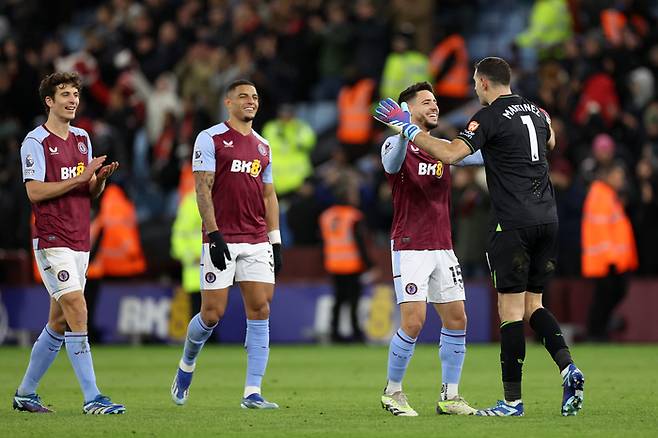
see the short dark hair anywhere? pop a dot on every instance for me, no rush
(604, 171)
(235, 84)
(495, 69)
(49, 84)
(411, 91)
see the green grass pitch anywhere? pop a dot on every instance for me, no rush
(334, 391)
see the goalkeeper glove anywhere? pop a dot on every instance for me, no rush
(397, 118)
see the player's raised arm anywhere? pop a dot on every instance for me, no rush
(391, 114)
(447, 151)
(475, 159)
(394, 150)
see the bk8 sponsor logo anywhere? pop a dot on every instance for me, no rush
(72, 172)
(253, 168)
(432, 169)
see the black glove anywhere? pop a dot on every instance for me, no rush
(278, 261)
(219, 252)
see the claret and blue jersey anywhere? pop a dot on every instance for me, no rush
(242, 164)
(62, 221)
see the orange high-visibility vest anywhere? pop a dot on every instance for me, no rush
(341, 254)
(607, 234)
(120, 251)
(95, 268)
(186, 181)
(455, 82)
(613, 23)
(354, 118)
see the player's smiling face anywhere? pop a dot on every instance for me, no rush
(424, 110)
(242, 103)
(65, 102)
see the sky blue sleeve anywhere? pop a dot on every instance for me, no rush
(394, 151)
(90, 153)
(267, 173)
(32, 160)
(474, 159)
(203, 156)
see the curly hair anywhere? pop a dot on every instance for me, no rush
(50, 83)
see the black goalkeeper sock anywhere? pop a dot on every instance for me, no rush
(546, 326)
(512, 355)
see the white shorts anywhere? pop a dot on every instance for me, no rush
(249, 262)
(62, 270)
(432, 276)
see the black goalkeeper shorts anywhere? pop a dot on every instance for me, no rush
(523, 259)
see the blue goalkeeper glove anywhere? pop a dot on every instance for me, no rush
(397, 118)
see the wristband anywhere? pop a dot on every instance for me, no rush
(411, 131)
(274, 236)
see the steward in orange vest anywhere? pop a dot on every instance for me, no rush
(609, 250)
(354, 117)
(119, 249)
(607, 234)
(449, 66)
(341, 251)
(345, 256)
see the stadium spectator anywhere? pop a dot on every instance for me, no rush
(549, 26)
(471, 212)
(345, 256)
(292, 141)
(602, 155)
(160, 100)
(334, 41)
(449, 66)
(302, 215)
(609, 251)
(371, 40)
(186, 244)
(403, 65)
(354, 129)
(419, 17)
(646, 216)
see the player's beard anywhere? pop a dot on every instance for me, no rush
(429, 124)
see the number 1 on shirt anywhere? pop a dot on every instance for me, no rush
(534, 147)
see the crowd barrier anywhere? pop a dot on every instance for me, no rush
(135, 312)
(300, 312)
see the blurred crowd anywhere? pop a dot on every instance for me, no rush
(154, 73)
